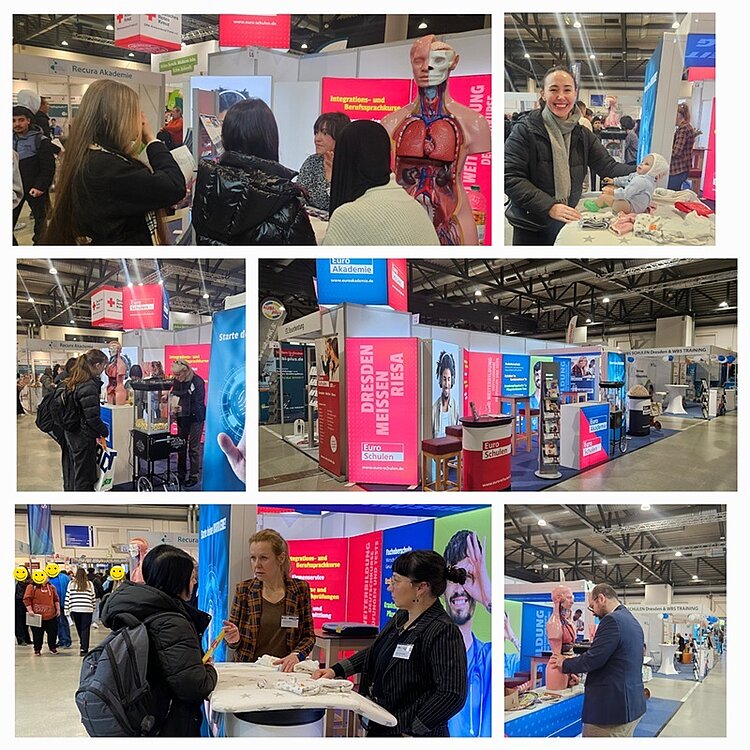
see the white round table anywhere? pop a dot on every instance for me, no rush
(675, 392)
(667, 657)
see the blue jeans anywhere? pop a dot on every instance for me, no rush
(63, 629)
(676, 180)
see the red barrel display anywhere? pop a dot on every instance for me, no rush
(486, 453)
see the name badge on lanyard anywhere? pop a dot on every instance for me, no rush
(403, 651)
(289, 621)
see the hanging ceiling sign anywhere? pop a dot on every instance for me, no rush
(150, 32)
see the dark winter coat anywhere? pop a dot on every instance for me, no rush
(178, 678)
(529, 173)
(192, 395)
(244, 200)
(86, 398)
(114, 194)
(37, 171)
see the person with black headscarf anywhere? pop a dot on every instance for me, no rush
(368, 206)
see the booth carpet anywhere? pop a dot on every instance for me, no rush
(524, 464)
(659, 711)
(684, 672)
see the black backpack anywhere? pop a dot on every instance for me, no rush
(45, 420)
(114, 696)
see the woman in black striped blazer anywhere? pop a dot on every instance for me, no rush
(416, 668)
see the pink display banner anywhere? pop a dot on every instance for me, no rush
(323, 564)
(382, 377)
(398, 295)
(482, 382)
(196, 355)
(365, 570)
(709, 179)
(144, 306)
(364, 98)
(255, 31)
(475, 92)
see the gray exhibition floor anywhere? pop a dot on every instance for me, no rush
(701, 457)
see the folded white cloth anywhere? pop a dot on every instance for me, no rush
(314, 687)
(665, 195)
(307, 667)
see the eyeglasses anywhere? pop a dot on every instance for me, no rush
(396, 581)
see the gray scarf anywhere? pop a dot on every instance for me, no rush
(559, 135)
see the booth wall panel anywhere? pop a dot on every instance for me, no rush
(281, 67)
(337, 65)
(486, 342)
(296, 106)
(231, 63)
(475, 51)
(368, 322)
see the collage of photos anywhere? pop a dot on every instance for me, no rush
(273, 607)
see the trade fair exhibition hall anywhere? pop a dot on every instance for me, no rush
(490, 374)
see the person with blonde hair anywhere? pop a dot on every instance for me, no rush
(272, 612)
(104, 194)
(81, 398)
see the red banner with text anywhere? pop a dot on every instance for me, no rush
(274, 32)
(482, 382)
(364, 98)
(365, 566)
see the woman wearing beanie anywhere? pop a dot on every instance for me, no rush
(368, 206)
(546, 159)
(416, 668)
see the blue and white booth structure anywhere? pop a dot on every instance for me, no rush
(674, 375)
(528, 606)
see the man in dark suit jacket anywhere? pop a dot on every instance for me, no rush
(614, 702)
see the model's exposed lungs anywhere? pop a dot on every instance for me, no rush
(427, 149)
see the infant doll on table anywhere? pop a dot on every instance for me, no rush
(632, 194)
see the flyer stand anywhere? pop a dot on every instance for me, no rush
(549, 422)
(612, 392)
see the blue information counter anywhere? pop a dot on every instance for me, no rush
(561, 718)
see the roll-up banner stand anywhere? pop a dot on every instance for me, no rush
(549, 422)
(330, 364)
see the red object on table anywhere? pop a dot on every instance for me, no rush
(687, 206)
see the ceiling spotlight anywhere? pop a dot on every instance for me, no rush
(130, 284)
(30, 299)
(592, 57)
(477, 293)
(64, 43)
(588, 320)
(724, 304)
(205, 295)
(109, 27)
(576, 24)
(601, 75)
(422, 25)
(605, 300)
(678, 554)
(676, 25)
(545, 566)
(695, 578)
(527, 55)
(645, 506)
(637, 580)
(18, 317)
(72, 322)
(541, 522)
(604, 562)
(53, 270)
(303, 45)
(161, 282)
(131, 54)
(497, 317)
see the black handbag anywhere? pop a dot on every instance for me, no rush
(521, 219)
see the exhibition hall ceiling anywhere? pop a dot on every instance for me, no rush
(621, 42)
(681, 545)
(66, 295)
(538, 297)
(154, 512)
(89, 35)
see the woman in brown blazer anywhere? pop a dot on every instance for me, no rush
(272, 612)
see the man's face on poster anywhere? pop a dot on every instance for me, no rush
(458, 603)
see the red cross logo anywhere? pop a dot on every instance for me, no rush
(151, 16)
(111, 301)
(119, 18)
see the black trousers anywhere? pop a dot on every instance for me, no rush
(82, 448)
(38, 208)
(190, 432)
(82, 621)
(50, 628)
(545, 237)
(22, 629)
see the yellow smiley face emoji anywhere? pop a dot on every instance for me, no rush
(52, 570)
(21, 573)
(117, 572)
(39, 576)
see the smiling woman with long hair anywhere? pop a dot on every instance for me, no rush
(104, 195)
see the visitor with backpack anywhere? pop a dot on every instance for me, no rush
(179, 680)
(81, 418)
(79, 603)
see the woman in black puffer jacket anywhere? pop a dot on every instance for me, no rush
(84, 388)
(247, 197)
(179, 679)
(547, 156)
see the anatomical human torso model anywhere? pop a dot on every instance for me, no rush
(561, 634)
(431, 137)
(116, 371)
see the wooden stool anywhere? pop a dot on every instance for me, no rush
(525, 436)
(455, 430)
(442, 451)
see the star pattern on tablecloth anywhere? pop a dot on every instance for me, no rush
(588, 238)
(624, 240)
